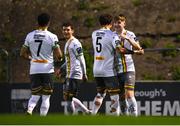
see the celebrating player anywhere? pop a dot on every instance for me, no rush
(126, 71)
(40, 47)
(104, 43)
(75, 70)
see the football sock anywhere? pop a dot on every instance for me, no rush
(32, 103)
(124, 107)
(73, 107)
(79, 105)
(70, 107)
(45, 105)
(132, 106)
(115, 107)
(97, 103)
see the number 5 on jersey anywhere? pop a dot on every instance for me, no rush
(98, 44)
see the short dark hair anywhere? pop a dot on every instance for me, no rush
(105, 19)
(67, 24)
(43, 19)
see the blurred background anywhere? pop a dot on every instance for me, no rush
(155, 22)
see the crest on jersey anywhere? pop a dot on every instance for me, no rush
(117, 42)
(136, 39)
(79, 50)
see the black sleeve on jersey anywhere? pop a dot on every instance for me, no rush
(79, 50)
(136, 39)
(127, 51)
(57, 42)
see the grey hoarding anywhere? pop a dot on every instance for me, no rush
(158, 98)
(154, 98)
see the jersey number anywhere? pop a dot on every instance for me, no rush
(98, 44)
(39, 47)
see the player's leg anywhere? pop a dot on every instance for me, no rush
(45, 105)
(32, 103)
(123, 103)
(35, 91)
(101, 93)
(76, 103)
(70, 91)
(129, 94)
(97, 102)
(122, 100)
(113, 90)
(46, 93)
(132, 104)
(68, 98)
(115, 107)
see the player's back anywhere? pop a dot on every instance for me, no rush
(104, 49)
(41, 45)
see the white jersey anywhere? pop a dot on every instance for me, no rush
(125, 61)
(104, 44)
(72, 50)
(41, 44)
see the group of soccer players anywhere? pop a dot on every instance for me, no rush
(113, 67)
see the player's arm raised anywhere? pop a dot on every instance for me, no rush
(134, 43)
(120, 49)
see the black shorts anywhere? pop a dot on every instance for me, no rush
(109, 84)
(42, 84)
(71, 87)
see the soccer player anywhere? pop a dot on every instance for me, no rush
(75, 70)
(126, 72)
(105, 44)
(41, 48)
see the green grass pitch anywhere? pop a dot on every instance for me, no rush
(60, 119)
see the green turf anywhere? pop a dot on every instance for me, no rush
(59, 119)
